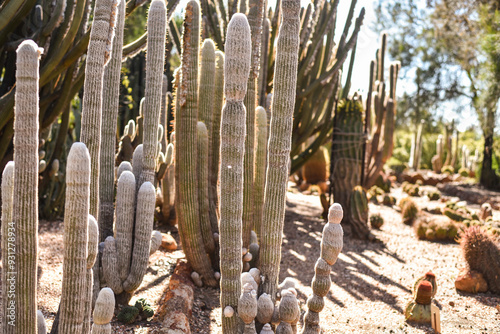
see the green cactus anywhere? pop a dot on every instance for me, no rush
(144, 308)
(103, 312)
(25, 198)
(285, 77)
(376, 221)
(409, 210)
(331, 246)
(419, 309)
(128, 314)
(8, 230)
(202, 172)
(110, 100)
(236, 70)
(215, 138)
(260, 167)
(186, 207)
(76, 222)
(157, 31)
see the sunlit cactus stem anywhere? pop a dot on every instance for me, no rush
(285, 80)
(233, 130)
(155, 59)
(25, 198)
(260, 167)
(186, 204)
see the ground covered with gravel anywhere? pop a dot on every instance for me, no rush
(371, 280)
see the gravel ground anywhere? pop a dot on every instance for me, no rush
(371, 281)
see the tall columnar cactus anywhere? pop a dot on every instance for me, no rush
(331, 246)
(437, 160)
(168, 183)
(157, 31)
(76, 220)
(255, 14)
(416, 148)
(110, 100)
(101, 39)
(383, 105)
(260, 166)
(285, 77)
(236, 70)
(206, 229)
(103, 312)
(215, 138)
(186, 205)
(8, 250)
(25, 206)
(264, 63)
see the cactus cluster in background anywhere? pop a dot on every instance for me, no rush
(409, 210)
(429, 228)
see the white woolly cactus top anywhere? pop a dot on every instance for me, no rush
(104, 307)
(238, 57)
(335, 213)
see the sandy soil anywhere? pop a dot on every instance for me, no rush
(371, 281)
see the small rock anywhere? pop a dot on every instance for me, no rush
(168, 242)
(452, 303)
(471, 281)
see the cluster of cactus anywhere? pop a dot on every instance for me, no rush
(411, 189)
(468, 162)
(409, 210)
(446, 159)
(380, 115)
(434, 195)
(347, 162)
(458, 211)
(141, 310)
(376, 221)
(481, 252)
(419, 308)
(427, 228)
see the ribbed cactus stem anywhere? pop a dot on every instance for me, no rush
(144, 218)
(110, 267)
(8, 250)
(155, 60)
(93, 249)
(25, 206)
(76, 220)
(186, 207)
(236, 71)
(260, 167)
(40, 323)
(168, 183)
(101, 37)
(215, 138)
(110, 100)
(285, 80)
(264, 60)
(206, 229)
(331, 246)
(103, 312)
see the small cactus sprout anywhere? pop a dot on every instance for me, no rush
(331, 245)
(247, 304)
(289, 306)
(155, 242)
(430, 277)
(265, 309)
(409, 210)
(128, 314)
(196, 279)
(419, 309)
(103, 312)
(376, 221)
(247, 278)
(267, 329)
(255, 274)
(40, 323)
(124, 166)
(228, 312)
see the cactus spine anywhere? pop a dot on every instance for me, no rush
(8, 243)
(255, 21)
(236, 71)
(185, 149)
(215, 138)
(25, 205)
(206, 229)
(285, 80)
(76, 220)
(331, 246)
(110, 98)
(260, 166)
(103, 312)
(157, 31)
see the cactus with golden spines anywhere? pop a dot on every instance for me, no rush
(285, 76)
(186, 205)
(103, 312)
(8, 243)
(76, 222)
(215, 139)
(25, 197)
(233, 130)
(155, 58)
(202, 171)
(260, 167)
(110, 100)
(331, 246)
